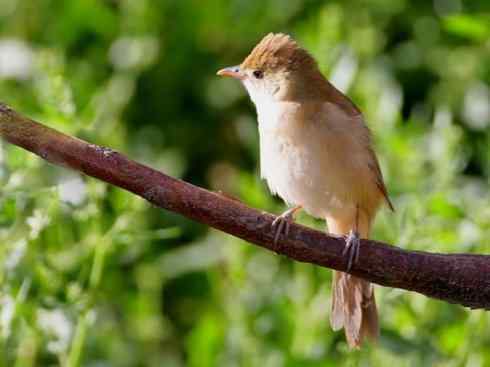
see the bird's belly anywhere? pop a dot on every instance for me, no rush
(297, 173)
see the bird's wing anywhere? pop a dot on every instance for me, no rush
(354, 116)
(374, 167)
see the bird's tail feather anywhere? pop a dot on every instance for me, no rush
(353, 302)
(354, 309)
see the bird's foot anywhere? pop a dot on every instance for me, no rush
(351, 250)
(281, 225)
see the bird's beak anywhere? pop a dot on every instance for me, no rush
(233, 71)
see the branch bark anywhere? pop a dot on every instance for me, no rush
(455, 278)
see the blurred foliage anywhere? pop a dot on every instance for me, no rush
(91, 275)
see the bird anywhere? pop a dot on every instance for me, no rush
(316, 153)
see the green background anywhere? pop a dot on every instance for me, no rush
(93, 276)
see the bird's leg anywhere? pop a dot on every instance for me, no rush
(281, 224)
(352, 243)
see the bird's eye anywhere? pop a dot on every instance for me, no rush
(258, 74)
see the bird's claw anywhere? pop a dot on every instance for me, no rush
(352, 245)
(281, 225)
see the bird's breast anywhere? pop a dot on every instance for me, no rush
(295, 159)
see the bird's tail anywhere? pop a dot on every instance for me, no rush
(353, 302)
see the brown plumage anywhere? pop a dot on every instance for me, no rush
(316, 153)
(277, 51)
(280, 54)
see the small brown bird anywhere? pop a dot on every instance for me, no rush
(316, 154)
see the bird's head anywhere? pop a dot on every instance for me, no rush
(277, 69)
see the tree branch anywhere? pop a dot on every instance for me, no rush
(456, 278)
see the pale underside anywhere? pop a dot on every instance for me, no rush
(328, 168)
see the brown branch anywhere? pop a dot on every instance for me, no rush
(456, 278)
